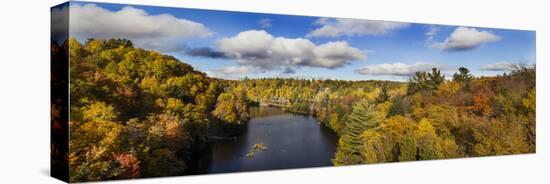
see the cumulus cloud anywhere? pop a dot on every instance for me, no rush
(260, 49)
(500, 66)
(158, 32)
(398, 69)
(464, 38)
(352, 27)
(265, 23)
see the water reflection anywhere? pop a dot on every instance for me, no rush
(293, 141)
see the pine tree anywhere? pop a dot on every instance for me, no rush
(362, 117)
(422, 81)
(463, 75)
(384, 96)
(418, 82)
(436, 78)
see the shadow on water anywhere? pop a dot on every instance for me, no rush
(292, 140)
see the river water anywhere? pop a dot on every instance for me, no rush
(292, 141)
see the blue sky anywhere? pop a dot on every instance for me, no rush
(234, 45)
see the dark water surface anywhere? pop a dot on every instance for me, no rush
(293, 141)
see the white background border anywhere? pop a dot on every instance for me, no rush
(24, 91)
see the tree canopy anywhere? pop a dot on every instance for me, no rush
(138, 113)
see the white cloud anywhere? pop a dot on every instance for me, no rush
(262, 50)
(500, 66)
(353, 27)
(432, 31)
(234, 72)
(159, 32)
(398, 69)
(464, 38)
(265, 23)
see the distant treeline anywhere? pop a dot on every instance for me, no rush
(428, 117)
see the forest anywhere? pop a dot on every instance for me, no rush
(138, 113)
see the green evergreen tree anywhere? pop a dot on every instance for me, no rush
(384, 95)
(463, 75)
(418, 82)
(423, 81)
(362, 117)
(436, 78)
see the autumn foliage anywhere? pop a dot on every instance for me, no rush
(138, 113)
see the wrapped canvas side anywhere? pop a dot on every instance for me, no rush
(59, 96)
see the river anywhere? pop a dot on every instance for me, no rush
(292, 141)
